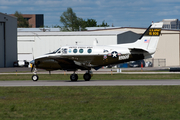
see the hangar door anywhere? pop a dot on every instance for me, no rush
(2, 39)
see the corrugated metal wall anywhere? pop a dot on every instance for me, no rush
(2, 44)
(8, 40)
(168, 48)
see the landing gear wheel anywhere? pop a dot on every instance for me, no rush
(87, 76)
(35, 77)
(74, 77)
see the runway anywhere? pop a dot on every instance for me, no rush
(91, 83)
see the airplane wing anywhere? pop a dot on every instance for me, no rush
(69, 63)
(73, 63)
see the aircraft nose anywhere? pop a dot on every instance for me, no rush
(32, 62)
(32, 65)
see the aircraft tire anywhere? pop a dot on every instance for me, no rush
(87, 76)
(35, 77)
(74, 77)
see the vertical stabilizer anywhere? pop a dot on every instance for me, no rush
(149, 40)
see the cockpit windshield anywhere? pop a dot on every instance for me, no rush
(57, 50)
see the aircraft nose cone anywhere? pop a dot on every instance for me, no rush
(32, 65)
(32, 62)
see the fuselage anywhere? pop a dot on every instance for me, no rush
(85, 57)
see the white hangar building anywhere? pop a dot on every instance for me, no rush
(31, 43)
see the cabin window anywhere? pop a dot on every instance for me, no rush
(69, 50)
(81, 50)
(89, 50)
(75, 51)
(105, 51)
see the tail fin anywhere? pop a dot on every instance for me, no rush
(149, 40)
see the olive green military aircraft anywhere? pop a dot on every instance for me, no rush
(72, 58)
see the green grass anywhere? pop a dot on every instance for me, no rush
(95, 76)
(90, 103)
(144, 71)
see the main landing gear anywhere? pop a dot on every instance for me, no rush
(74, 77)
(86, 76)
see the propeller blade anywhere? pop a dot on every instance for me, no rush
(32, 67)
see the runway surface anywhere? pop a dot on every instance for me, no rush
(90, 83)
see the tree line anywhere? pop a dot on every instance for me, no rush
(68, 18)
(73, 23)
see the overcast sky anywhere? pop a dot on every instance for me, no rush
(124, 13)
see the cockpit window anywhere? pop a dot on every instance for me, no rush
(58, 49)
(55, 51)
(64, 50)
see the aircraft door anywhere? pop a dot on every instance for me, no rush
(98, 51)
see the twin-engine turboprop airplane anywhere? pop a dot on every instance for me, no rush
(72, 58)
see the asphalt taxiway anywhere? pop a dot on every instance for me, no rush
(91, 83)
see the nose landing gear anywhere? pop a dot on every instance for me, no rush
(35, 76)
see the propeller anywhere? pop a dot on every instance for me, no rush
(32, 62)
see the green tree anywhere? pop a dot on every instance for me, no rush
(21, 22)
(56, 26)
(69, 20)
(73, 23)
(91, 23)
(81, 24)
(103, 24)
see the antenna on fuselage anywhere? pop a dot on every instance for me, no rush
(95, 42)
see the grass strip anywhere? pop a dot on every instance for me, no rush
(95, 76)
(90, 103)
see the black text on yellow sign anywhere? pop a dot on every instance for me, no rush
(154, 32)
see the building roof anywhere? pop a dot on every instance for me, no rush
(59, 29)
(38, 29)
(169, 20)
(79, 33)
(8, 15)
